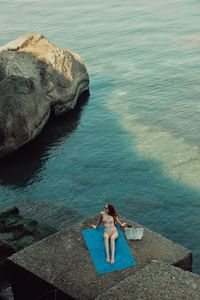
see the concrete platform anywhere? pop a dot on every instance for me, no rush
(156, 281)
(62, 264)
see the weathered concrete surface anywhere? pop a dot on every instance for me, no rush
(69, 268)
(36, 77)
(156, 281)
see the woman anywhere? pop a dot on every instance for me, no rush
(108, 217)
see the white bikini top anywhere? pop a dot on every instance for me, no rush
(107, 219)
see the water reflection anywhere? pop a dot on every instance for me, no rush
(19, 168)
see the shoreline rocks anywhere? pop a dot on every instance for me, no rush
(46, 212)
(16, 233)
(36, 78)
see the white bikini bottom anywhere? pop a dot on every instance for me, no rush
(109, 229)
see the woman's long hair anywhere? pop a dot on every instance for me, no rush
(112, 211)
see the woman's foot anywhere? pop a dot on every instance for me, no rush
(108, 259)
(112, 261)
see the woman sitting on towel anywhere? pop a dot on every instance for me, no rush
(108, 217)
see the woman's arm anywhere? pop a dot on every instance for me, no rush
(120, 223)
(100, 221)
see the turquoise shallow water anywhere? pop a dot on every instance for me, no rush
(135, 142)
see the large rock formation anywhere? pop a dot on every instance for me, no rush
(36, 77)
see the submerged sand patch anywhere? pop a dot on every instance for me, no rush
(178, 159)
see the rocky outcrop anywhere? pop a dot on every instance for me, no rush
(53, 214)
(36, 77)
(16, 233)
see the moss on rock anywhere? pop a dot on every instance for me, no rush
(18, 232)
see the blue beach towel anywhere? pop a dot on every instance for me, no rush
(95, 243)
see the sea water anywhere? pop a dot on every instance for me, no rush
(135, 142)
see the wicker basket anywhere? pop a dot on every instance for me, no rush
(134, 233)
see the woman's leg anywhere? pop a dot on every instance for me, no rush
(106, 244)
(112, 243)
